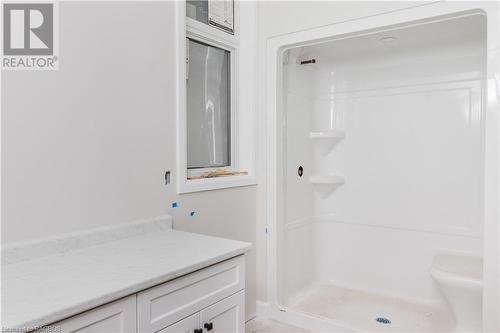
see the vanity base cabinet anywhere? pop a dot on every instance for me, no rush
(210, 300)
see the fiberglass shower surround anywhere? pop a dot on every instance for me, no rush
(387, 128)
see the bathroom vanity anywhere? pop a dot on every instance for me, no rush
(211, 299)
(159, 281)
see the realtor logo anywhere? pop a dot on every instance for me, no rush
(29, 36)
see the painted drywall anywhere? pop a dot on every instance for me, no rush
(88, 145)
(300, 15)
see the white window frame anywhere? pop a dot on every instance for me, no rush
(198, 31)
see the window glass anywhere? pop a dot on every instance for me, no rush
(208, 106)
(216, 13)
(197, 10)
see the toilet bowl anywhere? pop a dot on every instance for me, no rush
(459, 277)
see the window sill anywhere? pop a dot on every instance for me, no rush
(216, 183)
(215, 173)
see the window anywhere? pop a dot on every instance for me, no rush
(215, 119)
(208, 106)
(217, 13)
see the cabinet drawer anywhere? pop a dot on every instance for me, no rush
(172, 301)
(116, 317)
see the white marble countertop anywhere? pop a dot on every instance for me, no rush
(48, 289)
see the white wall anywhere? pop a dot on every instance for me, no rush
(88, 145)
(300, 15)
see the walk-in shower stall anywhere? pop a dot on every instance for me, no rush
(381, 182)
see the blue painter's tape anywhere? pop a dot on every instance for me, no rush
(174, 205)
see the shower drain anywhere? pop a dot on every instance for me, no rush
(382, 320)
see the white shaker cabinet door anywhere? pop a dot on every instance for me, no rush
(226, 316)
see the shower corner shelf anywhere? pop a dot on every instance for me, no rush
(324, 185)
(326, 140)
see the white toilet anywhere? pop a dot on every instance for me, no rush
(460, 279)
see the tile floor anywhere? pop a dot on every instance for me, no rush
(270, 326)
